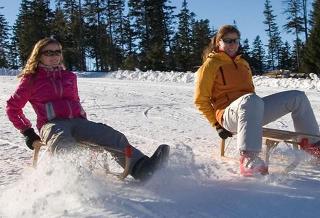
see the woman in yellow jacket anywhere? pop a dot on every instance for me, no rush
(225, 95)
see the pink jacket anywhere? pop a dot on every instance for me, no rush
(52, 94)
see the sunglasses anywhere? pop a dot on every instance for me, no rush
(50, 53)
(230, 41)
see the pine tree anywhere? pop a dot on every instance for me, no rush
(151, 27)
(201, 35)
(274, 41)
(294, 24)
(182, 41)
(257, 57)
(139, 27)
(13, 55)
(114, 21)
(295, 60)
(61, 32)
(311, 59)
(245, 51)
(161, 31)
(32, 24)
(286, 57)
(170, 23)
(129, 52)
(94, 13)
(305, 18)
(155, 53)
(59, 27)
(4, 37)
(74, 49)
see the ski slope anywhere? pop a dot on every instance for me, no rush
(150, 109)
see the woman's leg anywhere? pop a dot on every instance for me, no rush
(244, 116)
(296, 102)
(103, 135)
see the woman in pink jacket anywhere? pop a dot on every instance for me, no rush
(53, 93)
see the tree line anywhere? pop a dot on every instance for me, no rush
(106, 35)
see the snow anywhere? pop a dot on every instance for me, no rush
(152, 108)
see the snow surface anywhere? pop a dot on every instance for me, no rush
(152, 108)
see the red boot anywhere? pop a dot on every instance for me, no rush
(251, 164)
(313, 149)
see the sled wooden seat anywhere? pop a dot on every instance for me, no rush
(272, 137)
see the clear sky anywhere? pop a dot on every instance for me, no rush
(248, 14)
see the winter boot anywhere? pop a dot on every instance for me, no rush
(313, 149)
(145, 167)
(251, 164)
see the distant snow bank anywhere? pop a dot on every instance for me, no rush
(8, 72)
(156, 76)
(312, 83)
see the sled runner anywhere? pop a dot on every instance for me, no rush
(93, 149)
(272, 137)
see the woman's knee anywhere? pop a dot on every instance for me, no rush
(253, 103)
(300, 95)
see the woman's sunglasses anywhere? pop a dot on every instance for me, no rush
(50, 53)
(230, 41)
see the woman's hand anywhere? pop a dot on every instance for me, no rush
(222, 132)
(30, 137)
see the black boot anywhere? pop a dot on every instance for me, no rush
(145, 167)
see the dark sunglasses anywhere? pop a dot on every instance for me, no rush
(50, 53)
(230, 41)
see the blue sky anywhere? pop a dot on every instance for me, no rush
(247, 13)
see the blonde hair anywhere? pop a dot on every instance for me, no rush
(213, 45)
(34, 58)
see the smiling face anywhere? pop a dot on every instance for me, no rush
(229, 43)
(51, 55)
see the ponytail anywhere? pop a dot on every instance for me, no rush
(210, 48)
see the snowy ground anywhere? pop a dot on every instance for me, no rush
(153, 108)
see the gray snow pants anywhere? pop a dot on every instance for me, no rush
(246, 115)
(64, 134)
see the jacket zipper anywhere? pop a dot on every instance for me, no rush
(235, 64)
(224, 80)
(222, 74)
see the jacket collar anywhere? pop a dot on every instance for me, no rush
(45, 71)
(224, 57)
(49, 68)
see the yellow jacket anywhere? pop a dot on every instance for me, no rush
(219, 81)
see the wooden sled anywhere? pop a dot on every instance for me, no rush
(272, 137)
(127, 153)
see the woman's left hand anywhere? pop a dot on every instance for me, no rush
(222, 132)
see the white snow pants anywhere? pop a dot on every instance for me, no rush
(246, 115)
